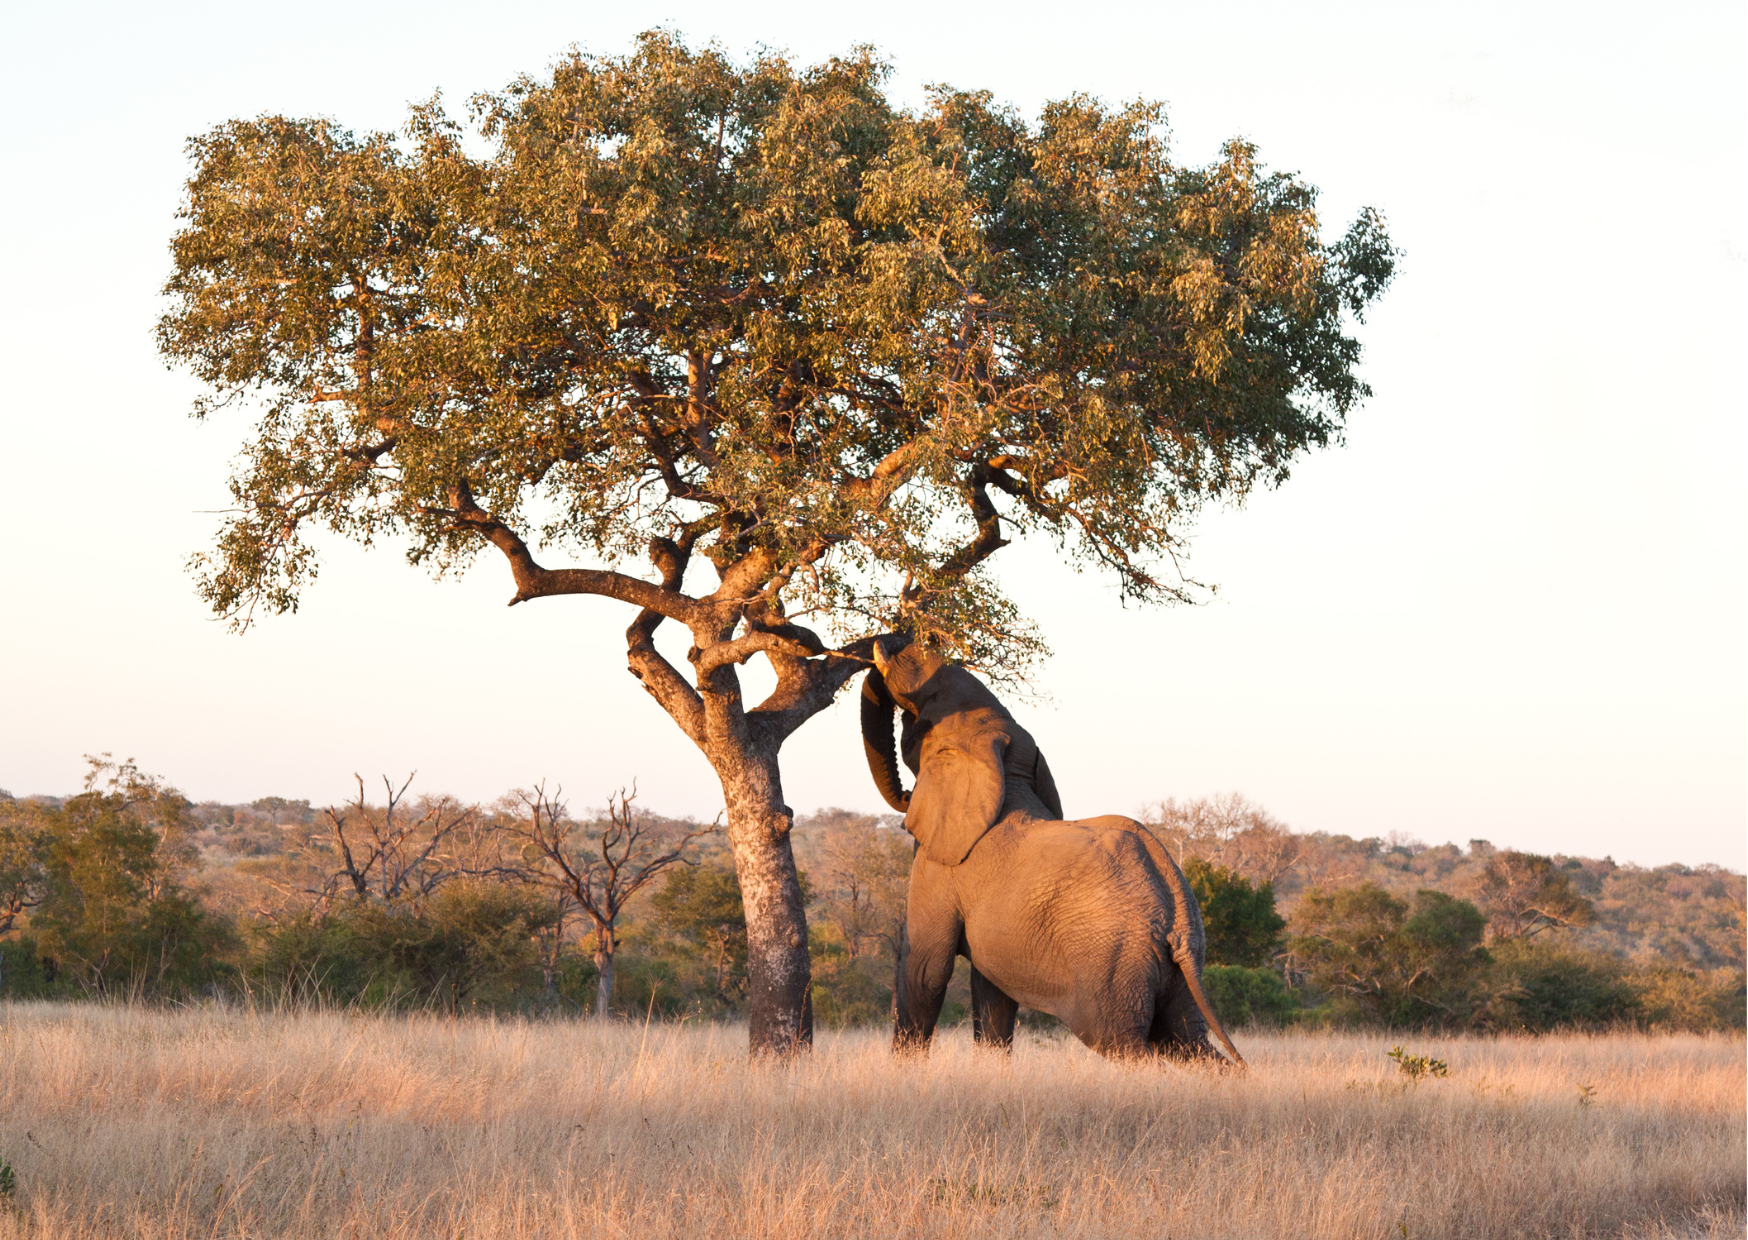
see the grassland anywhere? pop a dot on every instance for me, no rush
(216, 1122)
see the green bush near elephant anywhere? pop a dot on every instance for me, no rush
(1549, 986)
(1244, 996)
(1238, 919)
(846, 992)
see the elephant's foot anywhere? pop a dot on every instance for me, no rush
(912, 1042)
(993, 1014)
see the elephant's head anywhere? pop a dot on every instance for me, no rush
(956, 735)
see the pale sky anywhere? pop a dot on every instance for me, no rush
(1513, 606)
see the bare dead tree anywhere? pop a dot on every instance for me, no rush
(389, 857)
(866, 871)
(1226, 830)
(394, 853)
(598, 871)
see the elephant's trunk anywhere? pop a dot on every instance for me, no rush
(878, 742)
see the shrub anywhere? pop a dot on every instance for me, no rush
(469, 941)
(699, 925)
(847, 990)
(1249, 996)
(22, 975)
(114, 919)
(467, 936)
(1239, 919)
(1415, 1067)
(308, 959)
(1383, 961)
(1672, 998)
(1547, 985)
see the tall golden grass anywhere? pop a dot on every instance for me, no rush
(216, 1122)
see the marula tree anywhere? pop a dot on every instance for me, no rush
(805, 354)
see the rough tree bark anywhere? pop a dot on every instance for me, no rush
(604, 948)
(780, 978)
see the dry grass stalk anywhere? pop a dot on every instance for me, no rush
(214, 1122)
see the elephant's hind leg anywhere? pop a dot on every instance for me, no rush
(1111, 1014)
(1178, 1030)
(992, 1013)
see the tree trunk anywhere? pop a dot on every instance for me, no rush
(779, 979)
(549, 956)
(603, 977)
(742, 750)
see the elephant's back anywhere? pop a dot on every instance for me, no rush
(1082, 847)
(1090, 885)
(1110, 842)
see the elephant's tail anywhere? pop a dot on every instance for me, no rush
(1186, 963)
(1185, 957)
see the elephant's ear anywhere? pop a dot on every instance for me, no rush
(958, 791)
(1045, 786)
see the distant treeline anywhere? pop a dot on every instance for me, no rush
(130, 890)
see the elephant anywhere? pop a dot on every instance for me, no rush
(1089, 920)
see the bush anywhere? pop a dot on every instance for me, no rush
(469, 942)
(1544, 986)
(1239, 919)
(699, 929)
(22, 975)
(847, 990)
(1249, 996)
(310, 959)
(467, 936)
(1671, 998)
(1382, 961)
(114, 919)
(649, 986)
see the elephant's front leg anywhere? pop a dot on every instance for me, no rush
(992, 1013)
(933, 934)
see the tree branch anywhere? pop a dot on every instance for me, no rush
(989, 539)
(891, 473)
(534, 581)
(659, 677)
(746, 646)
(744, 579)
(810, 687)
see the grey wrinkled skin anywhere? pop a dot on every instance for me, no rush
(1089, 920)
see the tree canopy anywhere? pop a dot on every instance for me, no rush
(762, 313)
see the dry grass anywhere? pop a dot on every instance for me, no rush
(213, 1122)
